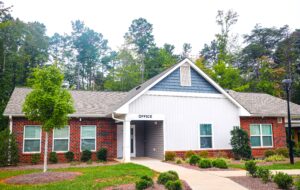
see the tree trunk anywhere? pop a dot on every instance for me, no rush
(46, 152)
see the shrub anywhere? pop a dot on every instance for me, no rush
(5, 138)
(144, 183)
(69, 156)
(282, 151)
(170, 156)
(53, 157)
(174, 173)
(178, 161)
(297, 184)
(283, 181)
(219, 163)
(174, 185)
(251, 167)
(35, 158)
(164, 177)
(188, 154)
(268, 153)
(203, 154)
(275, 158)
(86, 155)
(297, 152)
(205, 163)
(194, 159)
(102, 154)
(240, 143)
(264, 174)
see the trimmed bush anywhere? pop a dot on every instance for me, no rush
(205, 163)
(188, 154)
(102, 154)
(164, 177)
(35, 158)
(219, 163)
(8, 140)
(144, 183)
(174, 185)
(268, 153)
(69, 156)
(251, 167)
(170, 156)
(282, 151)
(264, 174)
(178, 161)
(203, 154)
(297, 152)
(240, 144)
(53, 157)
(194, 159)
(86, 155)
(275, 158)
(283, 180)
(174, 173)
(297, 184)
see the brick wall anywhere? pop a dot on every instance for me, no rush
(211, 153)
(106, 137)
(279, 134)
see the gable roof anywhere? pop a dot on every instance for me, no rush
(260, 104)
(86, 103)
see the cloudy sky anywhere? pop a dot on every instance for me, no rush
(174, 21)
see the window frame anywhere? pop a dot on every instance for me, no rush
(261, 135)
(24, 139)
(53, 139)
(88, 138)
(199, 136)
(190, 75)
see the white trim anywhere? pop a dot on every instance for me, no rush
(184, 94)
(10, 124)
(23, 151)
(89, 138)
(212, 136)
(53, 139)
(261, 135)
(134, 141)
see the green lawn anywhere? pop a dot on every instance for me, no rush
(109, 175)
(271, 167)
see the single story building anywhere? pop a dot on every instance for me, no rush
(178, 110)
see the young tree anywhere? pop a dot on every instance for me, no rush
(240, 143)
(48, 103)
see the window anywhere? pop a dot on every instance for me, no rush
(185, 75)
(205, 136)
(88, 138)
(32, 139)
(279, 120)
(61, 139)
(261, 135)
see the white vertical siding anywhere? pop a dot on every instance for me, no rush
(183, 115)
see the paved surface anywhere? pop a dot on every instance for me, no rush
(243, 172)
(198, 180)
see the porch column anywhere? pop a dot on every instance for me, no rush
(126, 141)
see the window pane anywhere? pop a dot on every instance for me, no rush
(88, 144)
(88, 131)
(206, 142)
(254, 130)
(32, 131)
(61, 133)
(266, 129)
(61, 145)
(32, 146)
(267, 141)
(205, 129)
(255, 141)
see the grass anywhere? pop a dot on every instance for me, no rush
(91, 178)
(274, 166)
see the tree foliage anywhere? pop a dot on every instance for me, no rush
(240, 143)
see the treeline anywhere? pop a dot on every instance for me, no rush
(258, 64)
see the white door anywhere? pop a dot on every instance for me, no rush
(120, 141)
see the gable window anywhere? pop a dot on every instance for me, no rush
(185, 75)
(261, 135)
(32, 139)
(88, 138)
(205, 136)
(61, 139)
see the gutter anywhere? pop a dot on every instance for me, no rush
(117, 119)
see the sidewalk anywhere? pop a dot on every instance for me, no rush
(243, 172)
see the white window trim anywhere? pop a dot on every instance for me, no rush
(35, 152)
(190, 75)
(89, 137)
(199, 136)
(261, 136)
(53, 139)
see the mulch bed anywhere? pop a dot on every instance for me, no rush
(41, 178)
(254, 183)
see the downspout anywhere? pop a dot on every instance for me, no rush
(9, 141)
(10, 124)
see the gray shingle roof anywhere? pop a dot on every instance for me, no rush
(86, 103)
(260, 104)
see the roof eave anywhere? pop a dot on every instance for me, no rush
(70, 115)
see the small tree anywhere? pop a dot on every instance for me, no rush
(8, 149)
(240, 143)
(48, 103)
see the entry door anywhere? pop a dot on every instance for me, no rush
(132, 141)
(120, 141)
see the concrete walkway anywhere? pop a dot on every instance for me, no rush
(198, 180)
(243, 172)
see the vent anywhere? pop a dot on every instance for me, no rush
(185, 75)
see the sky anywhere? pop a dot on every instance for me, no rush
(174, 21)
